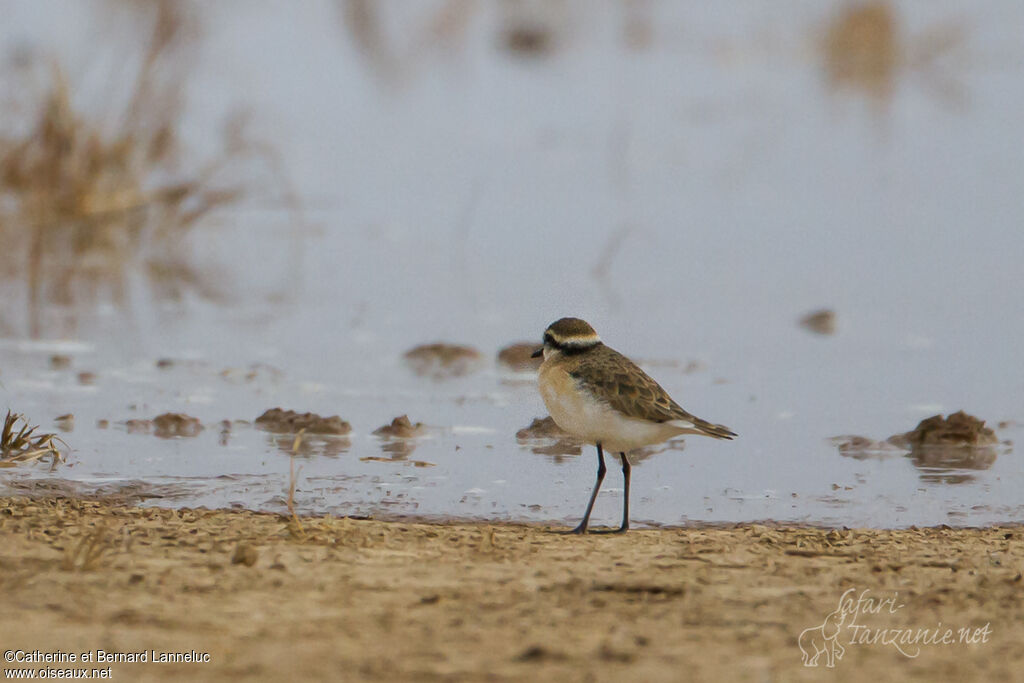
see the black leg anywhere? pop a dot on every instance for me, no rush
(625, 497)
(601, 469)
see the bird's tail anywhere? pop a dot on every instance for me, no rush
(709, 429)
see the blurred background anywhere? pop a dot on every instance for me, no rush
(803, 218)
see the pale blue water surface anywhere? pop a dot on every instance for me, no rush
(686, 176)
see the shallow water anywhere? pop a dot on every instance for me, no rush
(692, 196)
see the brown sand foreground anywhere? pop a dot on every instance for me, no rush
(368, 600)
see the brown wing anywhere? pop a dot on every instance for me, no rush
(619, 381)
(616, 379)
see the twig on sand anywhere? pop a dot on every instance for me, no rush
(294, 524)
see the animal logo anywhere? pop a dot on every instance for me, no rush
(823, 639)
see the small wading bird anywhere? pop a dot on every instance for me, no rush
(597, 394)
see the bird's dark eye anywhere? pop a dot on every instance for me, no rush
(549, 340)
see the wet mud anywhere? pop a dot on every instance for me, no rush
(820, 322)
(959, 429)
(442, 360)
(166, 426)
(862, 49)
(60, 361)
(945, 449)
(398, 441)
(544, 437)
(284, 421)
(542, 428)
(401, 428)
(519, 357)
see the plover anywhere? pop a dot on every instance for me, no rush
(604, 398)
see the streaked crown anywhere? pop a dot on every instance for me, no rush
(571, 334)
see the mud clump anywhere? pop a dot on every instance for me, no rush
(288, 422)
(245, 554)
(176, 424)
(525, 39)
(397, 438)
(544, 437)
(65, 423)
(862, 50)
(518, 357)
(166, 426)
(959, 429)
(820, 322)
(941, 448)
(862, 447)
(400, 428)
(531, 30)
(441, 360)
(542, 428)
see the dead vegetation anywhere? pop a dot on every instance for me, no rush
(91, 193)
(85, 555)
(867, 50)
(295, 527)
(862, 49)
(22, 444)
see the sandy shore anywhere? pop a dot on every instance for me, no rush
(349, 599)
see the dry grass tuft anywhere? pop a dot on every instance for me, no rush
(87, 553)
(86, 195)
(18, 445)
(862, 49)
(866, 50)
